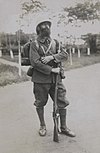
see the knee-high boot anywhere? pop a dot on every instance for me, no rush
(63, 126)
(40, 112)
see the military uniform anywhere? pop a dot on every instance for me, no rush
(42, 77)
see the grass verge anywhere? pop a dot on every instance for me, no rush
(9, 75)
(84, 60)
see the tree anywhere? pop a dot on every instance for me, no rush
(3, 41)
(32, 6)
(23, 37)
(87, 11)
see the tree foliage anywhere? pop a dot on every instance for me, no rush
(12, 39)
(84, 11)
(32, 6)
(22, 36)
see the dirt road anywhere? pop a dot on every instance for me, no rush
(19, 123)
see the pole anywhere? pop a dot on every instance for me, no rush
(73, 50)
(88, 51)
(79, 54)
(11, 52)
(70, 56)
(19, 53)
(0, 47)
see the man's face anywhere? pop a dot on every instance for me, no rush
(45, 29)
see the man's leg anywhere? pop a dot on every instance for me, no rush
(40, 112)
(63, 125)
(62, 103)
(41, 97)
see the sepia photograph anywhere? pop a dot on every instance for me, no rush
(49, 76)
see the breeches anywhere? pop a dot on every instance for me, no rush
(42, 91)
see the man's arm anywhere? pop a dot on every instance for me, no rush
(35, 60)
(61, 56)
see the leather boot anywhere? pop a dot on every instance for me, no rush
(40, 112)
(64, 129)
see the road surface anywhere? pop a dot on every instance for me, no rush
(19, 122)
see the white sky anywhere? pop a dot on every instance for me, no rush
(10, 9)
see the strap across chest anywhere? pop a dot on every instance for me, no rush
(51, 49)
(48, 49)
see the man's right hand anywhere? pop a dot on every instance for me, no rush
(56, 70)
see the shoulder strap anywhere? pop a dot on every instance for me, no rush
(54, 43)
(36, 43)
(48, 49)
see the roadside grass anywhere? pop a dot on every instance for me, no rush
(84, 60)
(8, 58)
(9, 75)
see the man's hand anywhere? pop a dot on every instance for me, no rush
(46, 59)
(56, 70)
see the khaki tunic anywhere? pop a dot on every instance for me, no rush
(42, 77)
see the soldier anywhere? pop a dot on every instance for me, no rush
(45, 58)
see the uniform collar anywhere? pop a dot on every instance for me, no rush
(42, 40)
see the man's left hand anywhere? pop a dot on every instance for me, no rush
(47, 59)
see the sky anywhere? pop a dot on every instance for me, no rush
(11, 9)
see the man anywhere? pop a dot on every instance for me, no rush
(45, 59)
